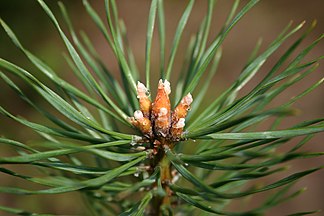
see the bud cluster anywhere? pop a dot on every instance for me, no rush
(155, 119)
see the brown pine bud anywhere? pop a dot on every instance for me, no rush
(156, 121)
(143, 123)
(177, 128)
(182, 109)
(161, 109)
(144, 101)
(178, 116)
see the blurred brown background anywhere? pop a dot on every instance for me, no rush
(266, 20)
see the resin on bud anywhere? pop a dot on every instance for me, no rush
(182, 109)
(161, 109)
(142, 123)
(178, 116)
(144, 101)
(177, 128)
(155, 120)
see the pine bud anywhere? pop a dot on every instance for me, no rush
(142, 123)
(144, 101)
(182, 109)
(155, 120)
(161, 109)
(177, 128)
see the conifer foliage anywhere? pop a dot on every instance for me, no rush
(182, 157)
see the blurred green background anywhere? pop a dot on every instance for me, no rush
(266, 20)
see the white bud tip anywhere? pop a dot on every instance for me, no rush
(180, 123)
(141, 89)
(167, 87)
(188, 99)
(138, 115)
(163, 111)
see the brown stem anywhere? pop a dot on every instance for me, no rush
(166, 177)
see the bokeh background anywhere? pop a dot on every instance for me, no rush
(265, 21)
